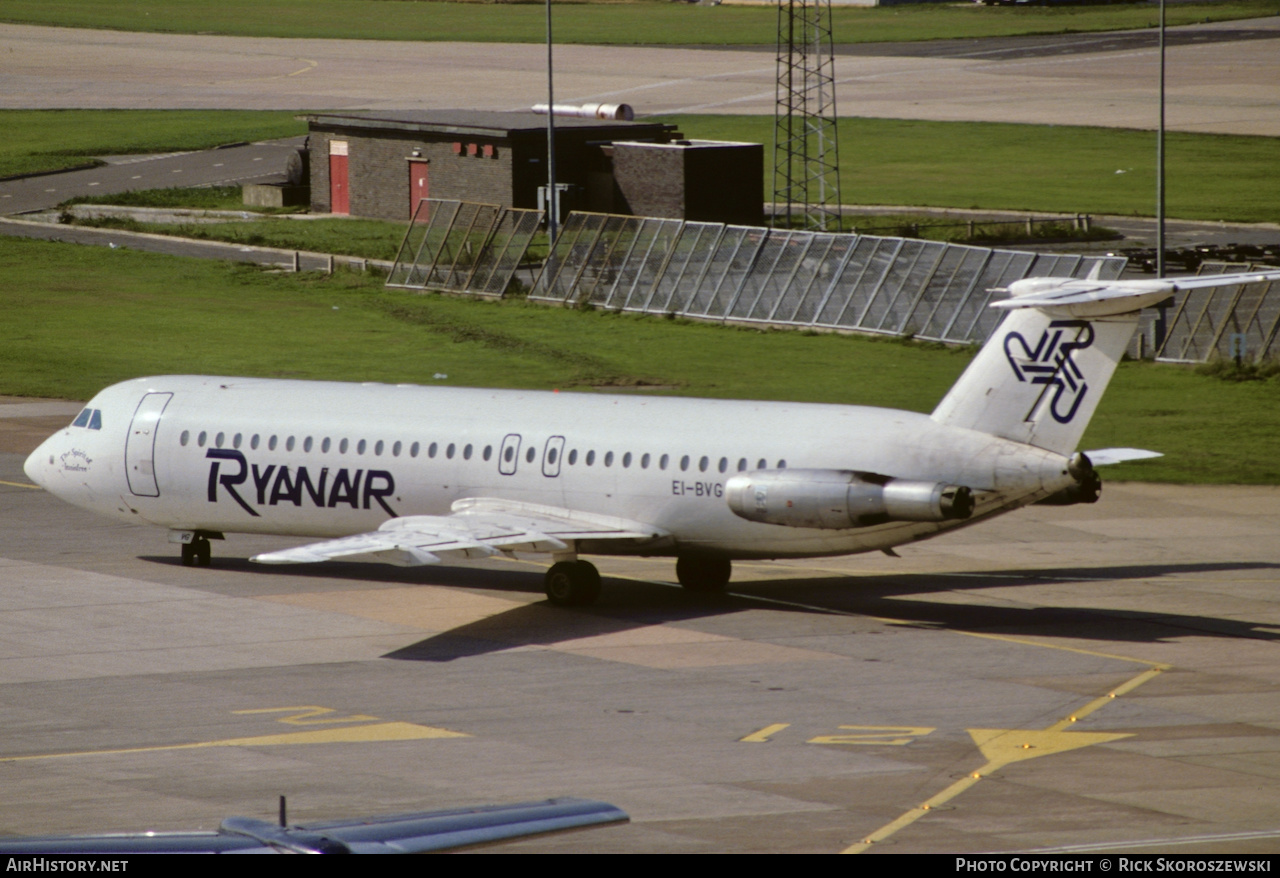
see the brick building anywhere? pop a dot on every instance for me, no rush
(380, 164)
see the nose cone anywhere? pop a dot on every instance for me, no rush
(39, 465)
(64, 465)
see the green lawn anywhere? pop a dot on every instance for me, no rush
(107, 315)
(47, 140)
(637, 22)
(362, 238)
(1059, 168)
(939, 164)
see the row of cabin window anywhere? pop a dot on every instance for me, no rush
(531, 453)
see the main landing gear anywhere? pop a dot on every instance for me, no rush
(702, 573)
(197, 552)
(577, 583)
(573, 583)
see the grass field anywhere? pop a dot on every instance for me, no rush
(636, 22)
(942, 164)
(47, 140)
(106, 315)
(1059, 168)
(362, 238)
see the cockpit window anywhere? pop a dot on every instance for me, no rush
(91, 418)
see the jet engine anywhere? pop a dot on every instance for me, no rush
(839, 499)
(1088, 486)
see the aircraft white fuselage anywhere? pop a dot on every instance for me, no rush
(415, 475)
(322, 459)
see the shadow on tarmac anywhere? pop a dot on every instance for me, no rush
(630, 604)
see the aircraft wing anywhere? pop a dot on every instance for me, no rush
(475, 528)
(396, 834)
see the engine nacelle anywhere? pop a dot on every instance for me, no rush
(1087, 489)
(840, 499)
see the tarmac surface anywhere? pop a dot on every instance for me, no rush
(238, 164)
(1107, 672)
(1217, 82)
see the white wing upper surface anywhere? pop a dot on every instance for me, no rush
(475, 528)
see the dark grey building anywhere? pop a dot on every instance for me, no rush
(380, 164)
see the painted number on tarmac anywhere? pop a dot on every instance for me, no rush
(875, 736)
(861, 736)
(310, 715)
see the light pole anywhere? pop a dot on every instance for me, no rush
(553, 196)
(1160, 160)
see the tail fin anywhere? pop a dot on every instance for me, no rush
(1040, 376)
(1039, 379)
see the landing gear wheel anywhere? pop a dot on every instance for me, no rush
(573, 584)
(703, 574)
(204, 555)
(197, 553)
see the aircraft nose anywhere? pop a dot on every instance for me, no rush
(39, 464)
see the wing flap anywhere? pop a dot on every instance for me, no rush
(476, 528)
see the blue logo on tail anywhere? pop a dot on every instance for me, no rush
(1050, 363)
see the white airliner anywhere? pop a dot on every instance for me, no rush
(414, 475)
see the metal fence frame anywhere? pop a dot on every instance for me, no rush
(1240, 320)
(799, 279)
(463, 247)
(780, 277)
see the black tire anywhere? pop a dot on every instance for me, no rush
(188, 555)
(203, 553)
(703, 574)
(572, 584)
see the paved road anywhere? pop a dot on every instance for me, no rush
(1219, 84)
(239, 164)
(807, 711)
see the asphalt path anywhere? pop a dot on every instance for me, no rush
(1225, 82)
(1036, 45)
(234, 164)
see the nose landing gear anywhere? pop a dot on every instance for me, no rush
(195, 546)
(197, 553)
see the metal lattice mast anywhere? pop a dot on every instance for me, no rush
(806, 165)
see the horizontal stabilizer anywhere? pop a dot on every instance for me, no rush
(1108, 456)
(1094, 298)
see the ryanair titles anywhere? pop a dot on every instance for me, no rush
(272, 485)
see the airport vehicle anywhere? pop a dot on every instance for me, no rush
(413, 475)
(394, 834)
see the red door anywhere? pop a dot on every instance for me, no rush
(417, 189)
(339, 185)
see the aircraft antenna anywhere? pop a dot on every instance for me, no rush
(806, 162)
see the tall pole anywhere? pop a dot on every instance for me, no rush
(1160, 160)
(553, 195)
(806, 163)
